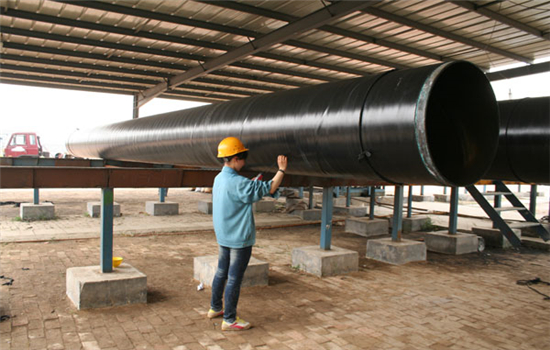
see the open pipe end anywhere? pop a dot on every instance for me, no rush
(461, 124)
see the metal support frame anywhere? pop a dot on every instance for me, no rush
(326, 220)
(453, 213)
(410, 201)
(348, 196)
(444, 189)
(533, 200)
(397, 226)
(106, 258)
(301, 192)
(311, 199)
(36, 196)
(422, 190)
(497, 204)
(163, 191)
(372, 202)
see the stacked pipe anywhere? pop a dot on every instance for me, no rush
(427, 125)
(523, 152)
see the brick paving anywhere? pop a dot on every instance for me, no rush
(447, 302)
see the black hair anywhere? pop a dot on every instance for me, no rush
(241, 155)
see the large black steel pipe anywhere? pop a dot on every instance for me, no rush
(523, 152)
(428, 125)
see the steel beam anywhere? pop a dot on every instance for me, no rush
(106, 257)
(326, 219)
(519, 72)
(314, 20)
(470, 5)
(445, 34)
(330, 29)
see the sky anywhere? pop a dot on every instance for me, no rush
(55, 113)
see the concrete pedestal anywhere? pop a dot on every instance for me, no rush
(535, 243)
(205, 207)
(456, 244)
(161, 208)
(339, 202)
(446, 198)
(322, 263)
(366, 227)
(353, 210)
(89, 288)
(264, 206)
(530, 231)
(204, 269)
(309, 214)
(94, 209)
(42, 211)
(422, 198)
(415, 223)
(493, 237)
(396, 253)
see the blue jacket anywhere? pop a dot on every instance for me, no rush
(232, 199)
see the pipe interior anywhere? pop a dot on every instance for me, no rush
(462, 124)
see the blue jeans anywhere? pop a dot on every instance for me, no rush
(232, 263)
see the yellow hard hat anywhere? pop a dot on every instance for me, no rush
(230, 146)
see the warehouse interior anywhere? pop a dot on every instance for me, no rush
(405, 174)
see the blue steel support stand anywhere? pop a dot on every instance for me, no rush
(397, 226)
(326, 220)
(36, 197)
(301, 192)
(311, 201)
(533, 200)
(444, 189)
(410, 202)
(453, 214)
(348, 197)
(162, 194)
(422, 190)
(372, 202)
(106, 230)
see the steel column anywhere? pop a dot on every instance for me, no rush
(162, 194)
(422, 190)
(301, 192)
(410, 201)
(397, 226)
(444, 189)
(372, 202)
(533, 200)
(311, 200)
(135, 107)
(498, 204)
(453, 214)
(107, 229)
(348, 197)
(36, 196)
(326, 220)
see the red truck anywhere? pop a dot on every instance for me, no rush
(24, 144)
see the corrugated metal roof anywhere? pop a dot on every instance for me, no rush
(156, 47)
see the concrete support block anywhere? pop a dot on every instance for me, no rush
(446, 198)
(309, 214)
(322, 263)
(396, 253)
(339, 202)
(42, 211)
(536, 243)
(256, 274)
(353, 210)
(366, 227)
(415, 223)
(446, 243)
(94, 209)
(264, 206)
(493, 237)
(161, 208)
(205, 207)
(89, 288)
(530, 231)
(422, 198)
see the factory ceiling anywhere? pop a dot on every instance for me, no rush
(215, 51)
